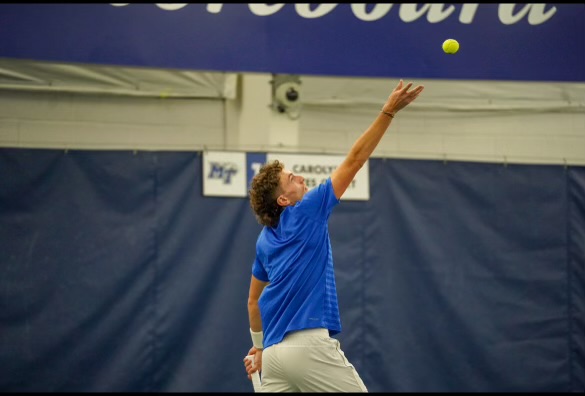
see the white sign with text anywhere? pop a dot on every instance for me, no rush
(224, 174)
(316, 168)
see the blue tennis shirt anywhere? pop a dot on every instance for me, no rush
(295, 257)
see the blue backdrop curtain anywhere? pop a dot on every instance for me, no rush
(116, 274)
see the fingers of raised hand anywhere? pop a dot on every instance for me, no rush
(418, 89)
(415, 92)
(399, 86)
(407, 87)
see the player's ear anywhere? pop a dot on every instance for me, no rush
(282, 200)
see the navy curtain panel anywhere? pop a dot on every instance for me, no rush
(116, 274)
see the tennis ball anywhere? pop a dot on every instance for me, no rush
(450, 46)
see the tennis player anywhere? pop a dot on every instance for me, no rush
(292, 303)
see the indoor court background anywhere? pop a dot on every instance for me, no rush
(463, 271)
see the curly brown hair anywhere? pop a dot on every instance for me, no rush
(263, 193)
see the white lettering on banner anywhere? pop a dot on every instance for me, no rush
(224, 174)
(536, 14)
(468, 13)
(171, 7)
(435, 13)
(316, 169)
(265, 9)
(320, 10)
(214, 8)
(379, 10)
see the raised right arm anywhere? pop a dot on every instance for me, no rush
(364, 146)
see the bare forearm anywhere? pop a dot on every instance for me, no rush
(367, 142)
(254, 316)
(365, 145)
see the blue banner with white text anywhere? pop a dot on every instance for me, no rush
(530, 42)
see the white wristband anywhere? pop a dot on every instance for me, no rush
(257, 338)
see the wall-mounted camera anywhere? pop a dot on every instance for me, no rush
(286, 94)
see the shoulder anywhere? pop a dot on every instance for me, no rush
(319, 200)
(320, 191)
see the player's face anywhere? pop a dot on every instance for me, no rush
(292, 188)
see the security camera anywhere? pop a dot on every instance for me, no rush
(292, 94)
(288, 94)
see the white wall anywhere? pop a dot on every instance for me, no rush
(459, 120)
(62, 120)
(452, 120)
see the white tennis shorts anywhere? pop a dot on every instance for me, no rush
(308, 361)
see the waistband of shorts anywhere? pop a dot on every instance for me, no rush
(319, 332)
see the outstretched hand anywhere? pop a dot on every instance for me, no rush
(401, 97)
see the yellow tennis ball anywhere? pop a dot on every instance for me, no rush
(450, 46)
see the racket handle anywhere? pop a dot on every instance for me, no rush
(255, 376)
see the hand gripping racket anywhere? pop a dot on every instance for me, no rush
(255, 376)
